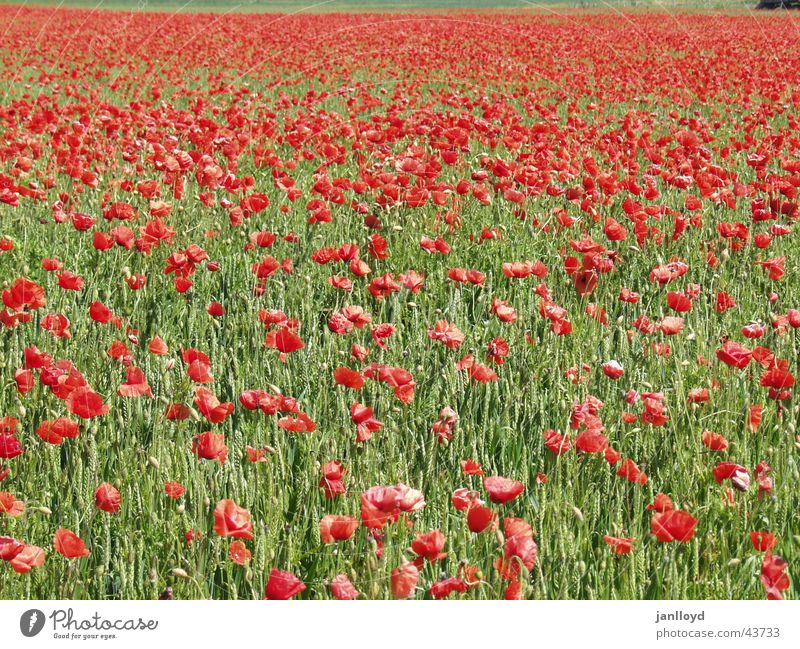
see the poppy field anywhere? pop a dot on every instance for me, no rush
(461, 305)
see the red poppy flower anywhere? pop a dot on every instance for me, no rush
(480, 517)
(714, 441)
(69, 544)
(31, 556)
(210, 446)
(446, 587)
(348, 378)
(519, 550)
(661, 503)
(210, 407)
(302, 423)
(342, 589)
(9, 548)
(502, 490)
(337, 528)
(429, 545)
(471, 467)
(591, 441)
(174, 489)
(366, 424)
(613, 370)
(54, 432)
(404, 580)
(673, 525)
(331, 481)
(774, 575)
(282, 585)
(107, 498)
(10, 505)
(754, 417)
(158, 347)
(763, 541)
(232, 520)
(135, 384)
(738, 475)
(619, 545)
(733, 354)
(24, 294)
(10, 446)
(86, 403)
(446, 333)
(199, 371)
(239, 553)
(555, 442)
(284, 340)
(631, 472)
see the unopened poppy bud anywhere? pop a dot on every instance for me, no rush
(397, 228)
(22, 411)
(207, 501)
(180, 572)
(274, 388)
(170, 363)
(153, 576)
(734, 562)
(181, 508)
(153, 462)
(194, 414)
(44, 510)
(578, 513)
(581, 567)
(134, 339)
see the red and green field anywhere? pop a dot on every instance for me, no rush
(468, 304)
